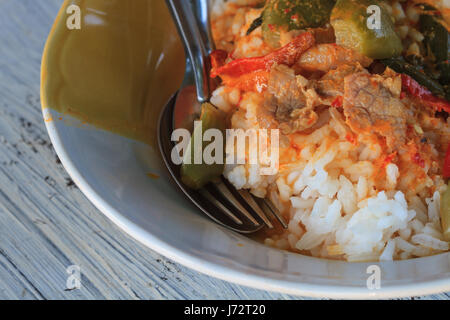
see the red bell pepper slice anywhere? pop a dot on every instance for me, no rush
(446, 169)
(415, 89)
(288, 55)
(218, 58)
(255, 81)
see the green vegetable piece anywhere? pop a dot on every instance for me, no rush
(287, 15)
(437, 38)
(255, 25)
(425, 7)
(444, 69)
(401, 66)
(194, 175)
(445, 214)
(349, 20)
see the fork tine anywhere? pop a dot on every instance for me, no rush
(220, 205)
(226, 192)
(274, 210)
(252, 203)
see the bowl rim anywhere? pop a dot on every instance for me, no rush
(216, 270)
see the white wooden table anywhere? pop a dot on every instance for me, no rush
(46, 224)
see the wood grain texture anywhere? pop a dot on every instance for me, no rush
(46, 224)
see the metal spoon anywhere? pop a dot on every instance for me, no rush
(236, 210)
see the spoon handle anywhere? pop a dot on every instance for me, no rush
(203, 13)
(194, 43)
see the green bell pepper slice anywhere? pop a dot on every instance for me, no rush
(349, 20)
(287, 15)
(194, 175)
(437, 38)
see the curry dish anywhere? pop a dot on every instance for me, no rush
(358, 90)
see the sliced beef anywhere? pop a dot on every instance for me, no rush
(372, 104)
(284, 93)
(289, 100)
(331, 85)
(301, 120)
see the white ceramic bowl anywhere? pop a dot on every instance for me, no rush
(112, 172)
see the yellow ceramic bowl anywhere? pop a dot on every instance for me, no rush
(102, 89)
(118, 69)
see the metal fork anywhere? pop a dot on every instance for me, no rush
(237, 210)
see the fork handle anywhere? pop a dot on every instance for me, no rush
(194, 43)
